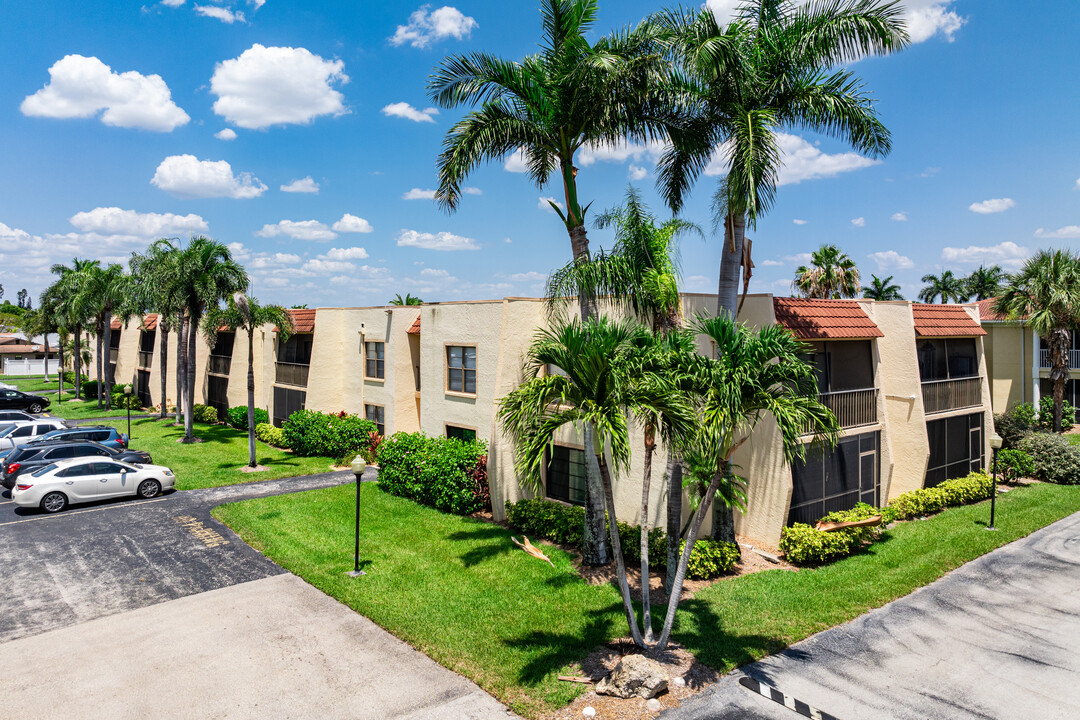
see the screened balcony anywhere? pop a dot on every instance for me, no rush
(949, 370)
(293, 361)
(845, 375)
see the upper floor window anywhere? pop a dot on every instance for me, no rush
(947, 359)
(843, 365)
(461, 369)
(297, 350)
(374, 360)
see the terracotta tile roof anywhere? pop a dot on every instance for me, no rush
(303, 320)
(115, 324)
(944, 321)
(986, 310)
(150, 322)
(824, 319)
(414, 329)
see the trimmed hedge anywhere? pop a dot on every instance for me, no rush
(446, 473)
(1015, 464)
(206, 414)
(1055, 459)
(237, 417)
(267, 433)
(927, 501)
(334, 435)
(565, 525)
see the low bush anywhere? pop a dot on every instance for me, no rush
(564, 524)
(90, 389)
(69, 378)
(803, 545)
(371, 452)
(334, 435)
(267, 433)
(437, 471)
(1016, 424)
(1046, 414)
(120, 400)
(1015, 464)
(1054, 458)
(206, 414)
(927, 501)
(237, 417)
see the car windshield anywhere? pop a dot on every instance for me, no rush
(45, 470)
(7, 430)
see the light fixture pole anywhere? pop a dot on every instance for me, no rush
(127, 403)
(358, 464)
(995, 445)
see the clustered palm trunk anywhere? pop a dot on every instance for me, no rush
(163, 364)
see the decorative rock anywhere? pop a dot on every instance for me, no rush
(652, 705)
(589, 711)
(634, 676)
(679, 681)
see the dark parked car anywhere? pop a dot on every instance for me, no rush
(16, 400)
(30, 457)
(107, 436)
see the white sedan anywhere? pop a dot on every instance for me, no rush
(55, 486)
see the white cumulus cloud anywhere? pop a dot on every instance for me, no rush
(345, 254)
(115, 221)
(419, 194)
(620, 152)
(772, 263)
(798, 221)
(858, 222)
(1006, 254)
(298, 230)
(517, 163)
(226, 134)
(223, 14)
(899, 217)
(407, 111)
(303, 185)
(637, 173)
(81, 87)
(426, 26)
(994, 205)
(353, 224)
(1069, 231)
(268, 86)
(891, 260)
(801, 161)
(435, 241)
(472, 190)
(187, 176)
(546, 203)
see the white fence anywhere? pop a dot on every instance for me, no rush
(27, 366)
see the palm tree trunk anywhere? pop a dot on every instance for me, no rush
(189, 410)
(60, 371)
(674, 520)
(724, 527)
(108, 358)
(616, 550)
(78, 362)
(163, 365)
(1060, 340)
(251, 397)
(646, 480)
(100, 375)
(181, 373)
(45, 338)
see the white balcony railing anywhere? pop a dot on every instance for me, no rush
(1074, 359)
(944, 395)
(852, 408)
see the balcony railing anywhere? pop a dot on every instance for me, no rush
(292, 374)
(219, 365)
(1074, 359)
(145, 358)
(943, 395)
(852, 408)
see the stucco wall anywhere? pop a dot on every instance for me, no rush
(1008, 361)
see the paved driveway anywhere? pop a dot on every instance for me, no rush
(997, 638)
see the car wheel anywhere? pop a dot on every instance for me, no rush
(149, 488)
(54, 502)
(35, 408)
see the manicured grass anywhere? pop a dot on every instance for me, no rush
(457, 589)
(31, 383)
(71, 409)
(1074, 438)
(217, 460)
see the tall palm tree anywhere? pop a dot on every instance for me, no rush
(409, 299)
(70, 302)
(1045, 294)
(773, 67)
(111, 292)
(246, 313)
(947, 286)
(154, 285)
(593, 388)
(985, 282)
(879, 289)
(832, 274)
(573, 94)
(37, 322)
(207, 274)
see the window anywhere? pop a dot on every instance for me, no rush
(374, 360)
(286, 402)
(460, 433)
(956, 447)
(566, 474)
(947, 359)
(377, 415)
(842, 365)
(61, 454)
(461, 369)
(217, 394)
(824, 482)
(296, 351)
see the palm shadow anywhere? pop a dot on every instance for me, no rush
(495, 541)
(553, 650)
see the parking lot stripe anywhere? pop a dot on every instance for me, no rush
(780, 698)
(81, 512)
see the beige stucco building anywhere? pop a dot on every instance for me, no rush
(908, 383)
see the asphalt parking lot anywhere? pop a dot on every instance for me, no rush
(104, 558)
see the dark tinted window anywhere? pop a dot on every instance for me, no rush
(827, 481)
(77, 471)
(106, 468)
(24, 431)
(566, 474)
(61, 453)
(956, 446)
(99, 435)
(460, 433)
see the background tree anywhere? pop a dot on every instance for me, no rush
(1045, 294)
(24, 299)
(831, 274)
(407, 300)
(69, 299)
(947, 286)
(34, 323)
(242, 312)
(110, 292)
(879, 289)
(985, 282)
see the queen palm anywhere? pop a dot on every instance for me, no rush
(111, 291)
(154, 289)
(882, 289)
(985, 282)
(242, 312)
(832, 274)
(70, 303)
(1045, 294)
(947, 286)
(409, 299)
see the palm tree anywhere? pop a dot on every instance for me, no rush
(154, 286)
(771, 68)
(247, 314)
(985, 282)
(594, 388)
(831, 275)
(70, 302)
(947, 286)
(111, 292)
(570, 95)
(1045, 293)
(409, 299)
(37, 322)
(882, 289)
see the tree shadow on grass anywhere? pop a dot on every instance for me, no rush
(497, 541)
(551, 651)
(700, 630)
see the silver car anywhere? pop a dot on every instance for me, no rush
(23, 431)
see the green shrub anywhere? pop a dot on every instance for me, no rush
(1015, 464)
(803, 545)
(565, 524)
(1055, 459)
(267, 433)
(206, 414)
(1014, 425)
(90, 389)
(120, 400)
(927, 501)
(237, 417)
(337, 436)
(69, 378)
(1046, 414)
(446, 473)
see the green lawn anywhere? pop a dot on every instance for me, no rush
(31, 383)
(69, 409)
(218, 459)
(458, 590)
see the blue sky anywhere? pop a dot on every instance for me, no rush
(120, 123)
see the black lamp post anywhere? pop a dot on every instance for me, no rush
(127, 403)
(358, 464)
(995, 445)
